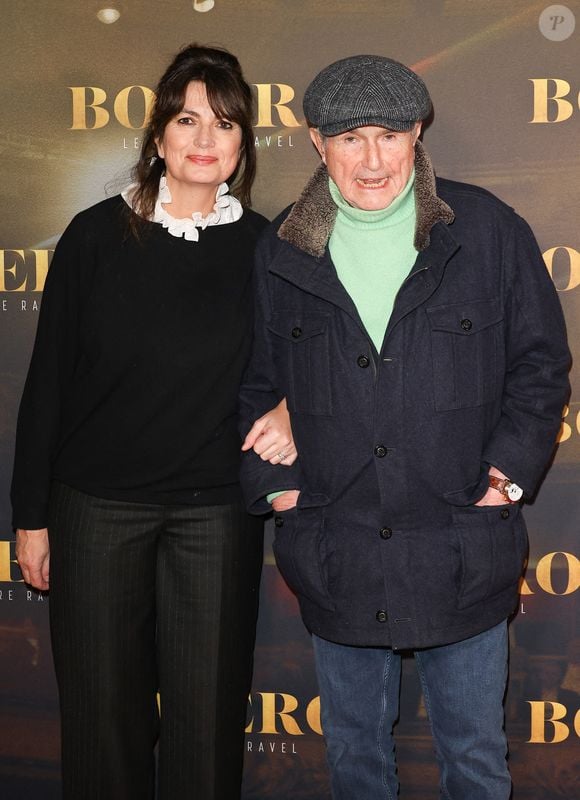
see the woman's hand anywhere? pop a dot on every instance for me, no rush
(33, 556)
(271, 437)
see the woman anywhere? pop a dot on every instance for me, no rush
(127, 452)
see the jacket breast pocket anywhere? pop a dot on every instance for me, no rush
(468, 354)
(302, 358)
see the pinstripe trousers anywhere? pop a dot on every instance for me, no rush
(150, 598)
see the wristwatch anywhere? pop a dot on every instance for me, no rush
(510, 490)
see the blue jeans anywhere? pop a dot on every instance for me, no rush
(463, 685)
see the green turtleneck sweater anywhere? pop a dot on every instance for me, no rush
(373, 253)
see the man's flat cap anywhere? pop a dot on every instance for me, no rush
(365, 90)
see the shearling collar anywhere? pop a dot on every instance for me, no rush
(310, 223)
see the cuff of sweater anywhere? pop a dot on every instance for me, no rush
(273, 495)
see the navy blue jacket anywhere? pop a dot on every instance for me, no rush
(386, 546)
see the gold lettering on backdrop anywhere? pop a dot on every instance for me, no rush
(269, 713)
(80, 106)
(313, 715)
(121, 106)
(549, 713)
(6, 562)
(550, 104)
(93, 99)
(23, 270)
(266, 104)
(11, 268)
(567, 430)
(101, 116)
(41, 262)
(544, 573)
(570, 272)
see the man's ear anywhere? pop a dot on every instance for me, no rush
(318, 142)
(417, 132)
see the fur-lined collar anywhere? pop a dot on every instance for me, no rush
(311, 220)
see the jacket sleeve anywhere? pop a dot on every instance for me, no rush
(536, 385)
(258, 394)
(51, 368)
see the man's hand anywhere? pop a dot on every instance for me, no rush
(493, 497)
(285, 501)
(271, 437)
(33, 556)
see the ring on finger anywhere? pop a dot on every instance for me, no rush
(282, 455)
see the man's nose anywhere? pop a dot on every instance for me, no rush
(372, 157)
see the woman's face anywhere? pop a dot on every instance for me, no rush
(199, 149)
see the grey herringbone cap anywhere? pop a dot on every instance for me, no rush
(365, 90)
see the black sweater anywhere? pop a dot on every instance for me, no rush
(140, 350)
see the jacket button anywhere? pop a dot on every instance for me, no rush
(380, 451)
(381, 616)
(466, 324)
(386, 533)
(504, 513)
(296, 333)
(363, 361)
(278, 521)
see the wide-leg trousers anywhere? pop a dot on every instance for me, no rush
(149, 598)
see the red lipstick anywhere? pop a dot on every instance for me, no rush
(202, 160)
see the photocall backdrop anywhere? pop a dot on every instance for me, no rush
(77, 81)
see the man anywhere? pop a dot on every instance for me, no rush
(413, 328)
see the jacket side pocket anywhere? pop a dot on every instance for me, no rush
(493, 544)
(298, 546)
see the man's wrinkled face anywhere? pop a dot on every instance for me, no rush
(370, 165)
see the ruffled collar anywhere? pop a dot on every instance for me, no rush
(226, 209)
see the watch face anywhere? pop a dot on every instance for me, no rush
(514, 492)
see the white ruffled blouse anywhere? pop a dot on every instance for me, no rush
(226, 209)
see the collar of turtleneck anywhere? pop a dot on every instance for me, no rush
(402, 207)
